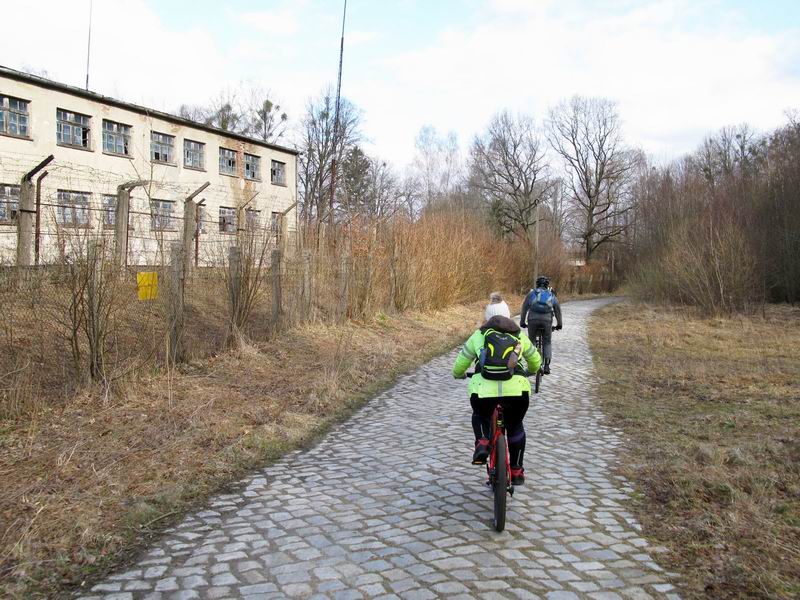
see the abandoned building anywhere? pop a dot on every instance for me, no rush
(102, 147)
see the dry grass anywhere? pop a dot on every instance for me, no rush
(713, 409)
(86, 482)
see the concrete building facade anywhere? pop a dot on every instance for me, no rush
(99, 144)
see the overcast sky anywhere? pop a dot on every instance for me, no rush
(678, 68)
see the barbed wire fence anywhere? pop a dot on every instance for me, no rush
(104, 273)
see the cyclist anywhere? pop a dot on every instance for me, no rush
(538, 310)
(496, 348)
(496, 306)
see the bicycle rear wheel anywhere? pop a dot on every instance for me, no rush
(538, 380)
(500, 483)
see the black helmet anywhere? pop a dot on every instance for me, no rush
(543, 282)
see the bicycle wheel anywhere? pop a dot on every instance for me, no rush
(538, 380)
(500, 484)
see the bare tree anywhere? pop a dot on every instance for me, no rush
(509, 168)
(586, 134)
(265, 119)
(437, 165)
(319, 148)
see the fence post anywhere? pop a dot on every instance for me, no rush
(235, 275)
(307, 294)
(94, 317)
(344, 286)
(176, 303)
(277, 300)
(27, 206)
(121, 226)
(189, 231)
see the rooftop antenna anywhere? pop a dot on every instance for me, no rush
(89, 44)
(336, 122)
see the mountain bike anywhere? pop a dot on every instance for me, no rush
(498, 467)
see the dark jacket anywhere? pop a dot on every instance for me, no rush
(525, 313)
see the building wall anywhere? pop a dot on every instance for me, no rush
(100, 173)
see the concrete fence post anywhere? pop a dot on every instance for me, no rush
(277, 299)
(121, 211)
(176, 350)
(235, 276)
(344, 286)
(307, 291)
(25, 219)
(189, 232)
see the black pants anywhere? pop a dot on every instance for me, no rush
(514, 410)
(545, 325)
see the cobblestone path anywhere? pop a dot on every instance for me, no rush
(388, 506)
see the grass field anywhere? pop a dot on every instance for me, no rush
(86, 482)
(712, 409)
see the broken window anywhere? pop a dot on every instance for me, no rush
(227, 161)
(252, 167)
(162, 147)
(278, 172)
(161, 212)
(194, 154)
(9, 203)
(116, 138)
(109, 211)
(227, 220)
(13, 116)
(73, 208)
(73, 129)
(253, 219)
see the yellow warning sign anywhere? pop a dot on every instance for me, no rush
(147, 282)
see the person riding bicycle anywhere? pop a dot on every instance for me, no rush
(538, 310)
(496, 306)
(499, 377)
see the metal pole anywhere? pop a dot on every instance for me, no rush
(336, 123)
(89, 44)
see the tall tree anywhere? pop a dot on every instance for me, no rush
(509, 168)
(318, 149)
(437, 166)
(586, 133)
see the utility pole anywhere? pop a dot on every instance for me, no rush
(536, 261)
(336, 124)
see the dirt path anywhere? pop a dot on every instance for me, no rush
(388, 506)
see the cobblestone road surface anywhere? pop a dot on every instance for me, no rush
(388, 506)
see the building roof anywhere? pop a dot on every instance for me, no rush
(75, 91)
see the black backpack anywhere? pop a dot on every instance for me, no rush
(499, 355)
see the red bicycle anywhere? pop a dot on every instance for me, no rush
(498, 467)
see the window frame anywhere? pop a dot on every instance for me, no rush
(9, 203)
(272, 178)
(156, 214)
(162, 143)
(201, 150)
(276, 225)
(235, 155)
(73, 123)
(113, 134)
(6, 110)
(251, 223)
(109, 214)
(67, 205)
(228, 227)
(248, 167)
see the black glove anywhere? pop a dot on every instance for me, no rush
(523, 325)
(557, 327)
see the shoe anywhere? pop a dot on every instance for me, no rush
(517, 476)
(481, 452)
(546, 368)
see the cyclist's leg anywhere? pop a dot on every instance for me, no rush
(482, 409)
(547, 339)
(514, 413)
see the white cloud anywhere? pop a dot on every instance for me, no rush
(671, 80)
